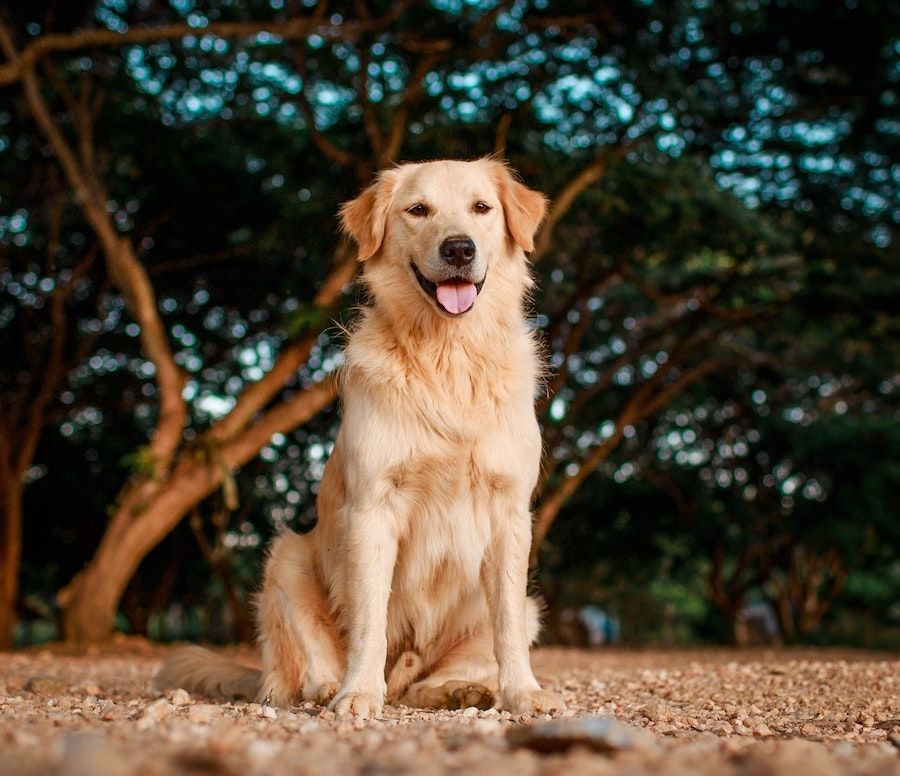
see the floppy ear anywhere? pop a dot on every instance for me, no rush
(365, 218)
(524, 209)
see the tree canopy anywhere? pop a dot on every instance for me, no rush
(716, 289)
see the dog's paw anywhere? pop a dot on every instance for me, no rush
(531, 702)
(357, 704)
(449, 695)
(462, 695)
(321, 694)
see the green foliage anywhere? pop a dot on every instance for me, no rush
(304, 320)
(746, 219)
(141, 462)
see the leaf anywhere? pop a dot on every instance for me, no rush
(303, 320)
(140, 462)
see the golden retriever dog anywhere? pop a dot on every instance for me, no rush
(412, 586)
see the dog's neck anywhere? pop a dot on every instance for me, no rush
(482, 329)
(392, 349)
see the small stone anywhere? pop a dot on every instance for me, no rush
(269, 712)
(155, 712)
(653, 712)
(327, 714)
(762, 729)
(602, 734)
(470, 712)
(46, 685)
(199, 762)
(809, 729)
(180, 697)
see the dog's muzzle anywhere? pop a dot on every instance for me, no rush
(454, 295)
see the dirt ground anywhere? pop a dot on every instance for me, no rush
(681, 712)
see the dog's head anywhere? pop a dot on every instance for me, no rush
(443, 230)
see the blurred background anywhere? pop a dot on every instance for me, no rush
(714, 291)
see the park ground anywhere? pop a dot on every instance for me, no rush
(701, 712)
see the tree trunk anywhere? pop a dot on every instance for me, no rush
(146, 515)
(10, 553)
(786, 613)
(727, 595)
(91, 601)
(812, 583)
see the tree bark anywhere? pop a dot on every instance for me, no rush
(91, 600)
(810, 585)
(11, 488)
(650, 397)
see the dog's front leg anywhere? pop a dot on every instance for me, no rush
(371, 555)
(505, 575)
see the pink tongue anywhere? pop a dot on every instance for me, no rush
(456, 297)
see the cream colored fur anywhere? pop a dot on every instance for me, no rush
(412, 586)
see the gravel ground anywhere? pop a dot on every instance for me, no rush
(681, 712)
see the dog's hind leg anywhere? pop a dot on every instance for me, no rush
(467, 674)
(301, 654)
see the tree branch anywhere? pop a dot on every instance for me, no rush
(640, 406)
(391, 145)
(260, 393)
(296, 28)
(281, 419)
(566, 197)
(330, 150)
(53, 374)
(501, 132)
(124, 267)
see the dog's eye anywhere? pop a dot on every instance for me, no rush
(481, 207)
(419, 210)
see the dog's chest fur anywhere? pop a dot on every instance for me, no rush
(464, 446)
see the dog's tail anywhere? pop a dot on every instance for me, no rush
(203, 672)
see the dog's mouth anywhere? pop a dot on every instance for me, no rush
(454, 295)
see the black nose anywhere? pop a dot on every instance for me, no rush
(458, 251)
